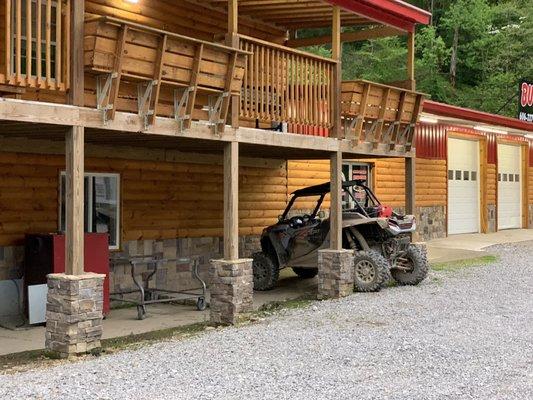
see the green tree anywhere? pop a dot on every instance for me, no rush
(432, 55)
(467, 21)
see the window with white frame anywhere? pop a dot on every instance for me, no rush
(356, 171)
(24, 37)
(102, 205)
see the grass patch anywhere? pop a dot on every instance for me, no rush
(460, 264)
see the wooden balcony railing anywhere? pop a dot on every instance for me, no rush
(380, 114)
(281, 84)
(153, 72)
(36, 44)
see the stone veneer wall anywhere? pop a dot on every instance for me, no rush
(491, 213)
(175, 275)
(431, 222)
(11, 262)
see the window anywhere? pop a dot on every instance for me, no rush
(102, 200)
(355, 171)
(511, 178)
(499, 177)
(473, 175)
(466, 175)
(458, 175)
(24, 38)
(450, 174)
(517, 178)
(505, 177)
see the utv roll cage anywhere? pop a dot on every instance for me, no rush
(324, 188)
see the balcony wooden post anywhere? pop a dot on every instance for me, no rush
(232, 39)
(335, 216)
(74, 200)
(231, 201)
(336, 54)
(410, 189)
(411, 82)
(76, 87)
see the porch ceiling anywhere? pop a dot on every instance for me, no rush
(33, 135)
(296, 14)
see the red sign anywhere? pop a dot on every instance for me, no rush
(525, 111)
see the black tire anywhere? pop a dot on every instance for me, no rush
(266, 271)
(305, 273)
(371, 271)
(416, 260)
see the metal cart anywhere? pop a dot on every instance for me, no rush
(149, 295)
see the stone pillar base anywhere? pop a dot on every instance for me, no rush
(335, 273)
(74, 313)
(231, 287)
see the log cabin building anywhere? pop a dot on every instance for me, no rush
(176, 128)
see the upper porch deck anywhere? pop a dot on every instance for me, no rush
(159, 66)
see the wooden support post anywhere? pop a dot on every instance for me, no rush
(231, 201)
(76, 87)
(74, 200)
(335, 217)
(232, 40)
(336, 54)
(411, 61)
(410, 189)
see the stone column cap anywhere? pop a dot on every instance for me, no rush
(237, 261)
(85, 276)
(336, 251)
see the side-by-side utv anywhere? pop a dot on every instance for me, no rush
(380, 237)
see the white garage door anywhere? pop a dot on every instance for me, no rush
(509, 187)
(463, 186)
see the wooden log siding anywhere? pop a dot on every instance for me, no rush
(50, 30)
(389, 179)
(283, 84)
(186, 17)
(158, 199)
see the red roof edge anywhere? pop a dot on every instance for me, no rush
(396, 13)
(447, 110)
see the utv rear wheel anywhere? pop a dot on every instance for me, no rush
(370, 271)
(266, 271)
(305, 273)
(412, 268)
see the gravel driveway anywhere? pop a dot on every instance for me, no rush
(460, 335)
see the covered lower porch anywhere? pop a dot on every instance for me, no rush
(183, 193)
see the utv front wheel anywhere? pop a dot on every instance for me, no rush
(412, 268)
(305, 273)
(266, 271)
(370, 271)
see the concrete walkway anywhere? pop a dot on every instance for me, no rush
(123, 322)
(468, 246)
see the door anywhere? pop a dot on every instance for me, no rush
(509, 187)
(463, 186)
